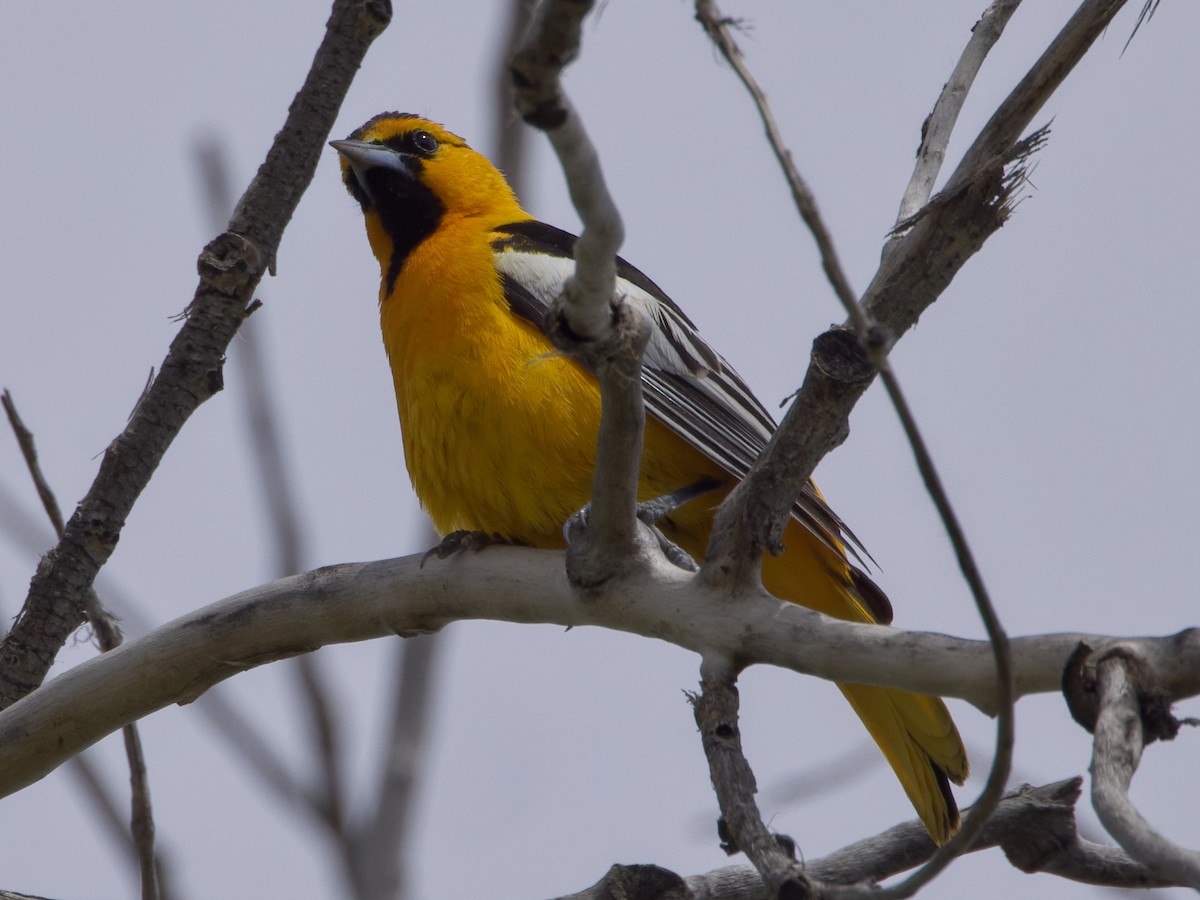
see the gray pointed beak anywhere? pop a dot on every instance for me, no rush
(363, 156)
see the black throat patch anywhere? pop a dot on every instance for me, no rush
(408, 210)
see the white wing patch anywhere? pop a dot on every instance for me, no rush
(675, 349)
(688, 386)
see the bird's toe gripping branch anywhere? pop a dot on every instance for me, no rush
(650, 513)
(458, 541)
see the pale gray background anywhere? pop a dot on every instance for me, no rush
(1056, 381)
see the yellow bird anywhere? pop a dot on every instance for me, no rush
(500, 431)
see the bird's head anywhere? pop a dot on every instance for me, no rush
(409, 174)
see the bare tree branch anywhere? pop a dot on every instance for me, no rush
(352, 602)
(510, 137)
(741, 827)
(379, 840)
(230, 268)
(551, 42)
(717, 26)
(1035, 827)
(876, 346)
(1129, 699)
(108, 635)
(918, 264)
(936, 130)
(589, 321)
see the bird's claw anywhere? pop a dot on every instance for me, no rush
(458, 541)
(650, 513)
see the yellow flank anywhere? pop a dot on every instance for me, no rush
(499, 430)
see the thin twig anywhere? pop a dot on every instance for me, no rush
(380, 841)
(717, 27)
(231, 267)
(742, 828)
(510, 137)
(29, 453)
(108, 636)
(997, 780)
(142, 815)
(935, 133)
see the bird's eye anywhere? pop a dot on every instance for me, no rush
(423, 143)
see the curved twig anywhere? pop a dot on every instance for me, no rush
(109, 637)
(1120, 739)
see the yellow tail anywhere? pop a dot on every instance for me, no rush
(918, 738)
(915, 733)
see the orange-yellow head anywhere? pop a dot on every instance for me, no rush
(410, 174)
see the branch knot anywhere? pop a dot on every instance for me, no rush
(1080, 688)
(228, 262)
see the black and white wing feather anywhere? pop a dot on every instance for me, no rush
(687, 385)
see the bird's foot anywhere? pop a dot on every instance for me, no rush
(458, 541)
(650, 513)
(653, 510)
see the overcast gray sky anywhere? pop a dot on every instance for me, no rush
(1055, 380)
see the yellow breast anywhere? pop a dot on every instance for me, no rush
(499, 431)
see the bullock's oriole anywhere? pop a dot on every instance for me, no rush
(499, 431)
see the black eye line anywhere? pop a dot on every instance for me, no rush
(414, 143)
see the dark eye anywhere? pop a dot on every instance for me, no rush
(423, 143)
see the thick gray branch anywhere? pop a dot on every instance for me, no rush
(359, 601)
